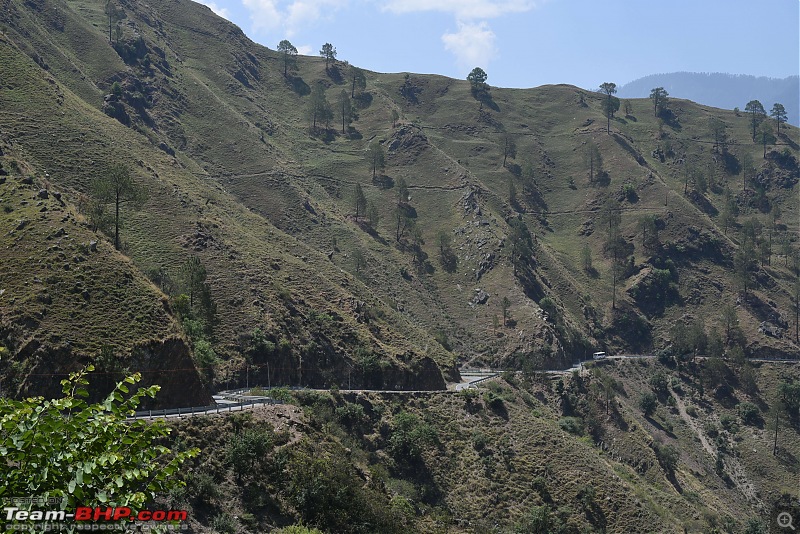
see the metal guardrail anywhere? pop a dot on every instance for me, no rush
(203, 410)
(484, 379)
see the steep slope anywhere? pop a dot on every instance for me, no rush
(67, 300)
(308, 292)
(319, 321)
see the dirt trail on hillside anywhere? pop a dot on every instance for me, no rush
(732, 464)
(692, 423)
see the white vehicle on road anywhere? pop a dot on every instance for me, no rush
(599, 356)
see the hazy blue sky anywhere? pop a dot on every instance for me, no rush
(526, 43)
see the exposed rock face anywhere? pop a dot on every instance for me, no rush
(168, 363)
(422, 374)
(481, 297)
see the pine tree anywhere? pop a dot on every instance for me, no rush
(328, 52)
(779, 114)
(609, 89)
(289, 55)
(117, 187)
(361, 201)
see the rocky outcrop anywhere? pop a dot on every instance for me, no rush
(169, 364)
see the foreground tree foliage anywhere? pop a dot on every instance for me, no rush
(86, 455)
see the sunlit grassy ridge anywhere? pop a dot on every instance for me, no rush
(268, 204)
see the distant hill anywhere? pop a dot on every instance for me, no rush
(722, 90)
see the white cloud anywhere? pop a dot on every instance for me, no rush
(289, 17)
(462, 9)
(305, 50)
(473, 45)
(221, 11)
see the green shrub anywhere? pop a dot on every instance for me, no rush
(648, 403)
(246, 450)
(479, 440)
(629, 191)
(539, 520)
(549, 307)
(667, 456)
(205, 356)
(749, 413)
(441, 337)
(729, 423)
(201, 486)
(224, 523)
(194, 328)
(281, 394)
(755, 526)
(351, 414)
(540, 485)
(691, 410)
(494, 400)
(327, 492)
(410, 436)
(573, 425)
(711, 429)
(659, 382)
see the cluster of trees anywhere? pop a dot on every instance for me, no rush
(611, 104)
(320, 110)
(761, 128)
(616, 247)
(115, 16)
(193, 303)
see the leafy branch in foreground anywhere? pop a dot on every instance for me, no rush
(85, 455)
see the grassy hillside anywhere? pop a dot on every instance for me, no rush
(312, 314)
(68, 299)
(239, 178)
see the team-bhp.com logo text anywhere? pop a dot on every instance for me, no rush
(88, 517)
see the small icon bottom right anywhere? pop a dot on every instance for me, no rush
(785, 520)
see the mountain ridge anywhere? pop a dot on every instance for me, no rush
(722, 90)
